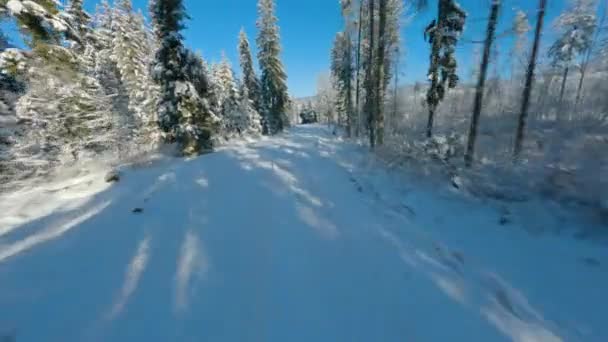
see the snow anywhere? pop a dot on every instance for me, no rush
(15, 7)
(298, 237)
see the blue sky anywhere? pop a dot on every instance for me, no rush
(308, 29)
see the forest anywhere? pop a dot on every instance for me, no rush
(112, 84)
(541, 126)
(153, 192)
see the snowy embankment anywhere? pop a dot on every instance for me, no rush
(300, 237)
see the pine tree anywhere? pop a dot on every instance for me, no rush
(521, 27)
(131, 51)
(73, 119)
(370, 91)
(380, 77)
(39, 21)
(106, 69)
(273, 87)
(577, 24)
(443, 35)
(80, 22)
(343, 67)
(228, 94)
(342, 74)
(588, 54)
(252, 119)
(358, 68)
(168, 16)
(250, 80)
(182, 114)
(525, 103)
(479, 90)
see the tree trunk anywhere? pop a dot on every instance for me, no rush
(481, 83)
(380, 91)
(348, 86)
(395, 100)
(525, 104)
(562, 89)
(357, 77)
(434, 70)
(369, 80)
(587, 58)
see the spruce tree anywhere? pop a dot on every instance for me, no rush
(131, 51)
(443, 34)
(228, 96)
(369, 85)
(182, 112)
(80, 22)
(342, 73)
(273, 87)
(250, 80)
(168, 17)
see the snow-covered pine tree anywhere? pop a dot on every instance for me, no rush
(358, 64)
(106, 69)
(273, 86)
(369, 84)
(131, 51)
(342, 74)
(39, 21)
(80, 21)
(521, 27)
(251, 115)
(380, 76)
(576, 25)
(250, 80)
(443, 34)
(196, 71)
(342, 67)
(75, 117)
(168, 17)
(204, 81)
(182, 114)
(233, 121)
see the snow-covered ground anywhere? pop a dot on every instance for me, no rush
(300, 237)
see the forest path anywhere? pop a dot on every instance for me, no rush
(299, 237)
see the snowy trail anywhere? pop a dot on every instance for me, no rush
(294, 238)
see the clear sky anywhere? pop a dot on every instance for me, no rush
(308, 27)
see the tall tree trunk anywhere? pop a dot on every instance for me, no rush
(525, 104)
(481, 83)
(369, 80)
(436, 36)
(357, 77)
(380, 91)
(587, 58)
(562, 89)
(348, 86)
(395, 100)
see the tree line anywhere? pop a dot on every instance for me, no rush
(110, 81)
(366, 56)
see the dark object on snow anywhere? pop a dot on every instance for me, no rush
(593, 262)
(504, 220)
(112, 176)
(457, 182)
(138, 210)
